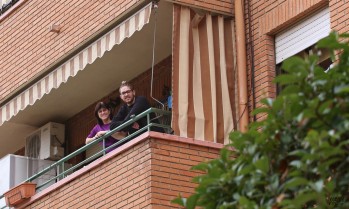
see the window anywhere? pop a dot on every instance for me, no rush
(301, 38)
(325, 60)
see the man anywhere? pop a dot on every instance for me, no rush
(134, 105)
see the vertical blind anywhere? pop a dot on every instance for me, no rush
(204, 76)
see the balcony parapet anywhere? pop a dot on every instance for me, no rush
(148, 171)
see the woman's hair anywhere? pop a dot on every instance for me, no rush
(125, 83)
(100, 105)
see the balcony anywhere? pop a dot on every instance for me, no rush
(146, 172)
(152, 168)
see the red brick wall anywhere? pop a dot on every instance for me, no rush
(80, 125)
(121, 182)
(339, 15)
(26, 45)
(147, 172)
(267, 19)
(170, 170)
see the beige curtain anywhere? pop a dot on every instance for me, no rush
(204, 76)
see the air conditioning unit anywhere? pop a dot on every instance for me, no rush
(46, 143)
(16, 169)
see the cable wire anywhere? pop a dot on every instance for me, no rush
(155, 7)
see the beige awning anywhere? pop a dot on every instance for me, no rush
(77, 63)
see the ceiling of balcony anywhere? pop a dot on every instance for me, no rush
(123, 62)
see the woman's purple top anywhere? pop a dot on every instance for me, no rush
(108, 141)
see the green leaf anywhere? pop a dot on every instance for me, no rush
(291, 89)
(262, 164)
(260, 110)
(202, 167)
(318, 186)
(246, 169)
(292, 63)
(325, 107)
(180, 201)
(192, 201)
(246, 203)
(342, 89)
(296, 163)
(301, 200)
(295, 182)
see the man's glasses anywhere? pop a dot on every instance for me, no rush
(126, 92)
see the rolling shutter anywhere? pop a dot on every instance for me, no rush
(302, 35)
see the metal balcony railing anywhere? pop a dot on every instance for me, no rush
(163, 117)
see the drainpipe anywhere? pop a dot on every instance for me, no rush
(241, 65)
(251, 49)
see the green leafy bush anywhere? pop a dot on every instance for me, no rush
(298, 156)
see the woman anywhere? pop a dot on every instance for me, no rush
(103, 115)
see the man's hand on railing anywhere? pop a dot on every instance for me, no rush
(119, 135)
(135, 125)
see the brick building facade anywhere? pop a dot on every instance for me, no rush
(31, 50)
(269, 18)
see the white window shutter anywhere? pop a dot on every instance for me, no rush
(302, 35)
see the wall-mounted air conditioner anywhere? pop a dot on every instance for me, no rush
(16, 169)
(47, 142)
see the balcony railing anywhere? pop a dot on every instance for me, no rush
(162, 115)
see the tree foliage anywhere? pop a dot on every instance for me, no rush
(298, 156)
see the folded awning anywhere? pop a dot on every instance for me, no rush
(75, 64)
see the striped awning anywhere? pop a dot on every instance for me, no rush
(2, 2)
(204, 76)
(77, 63)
